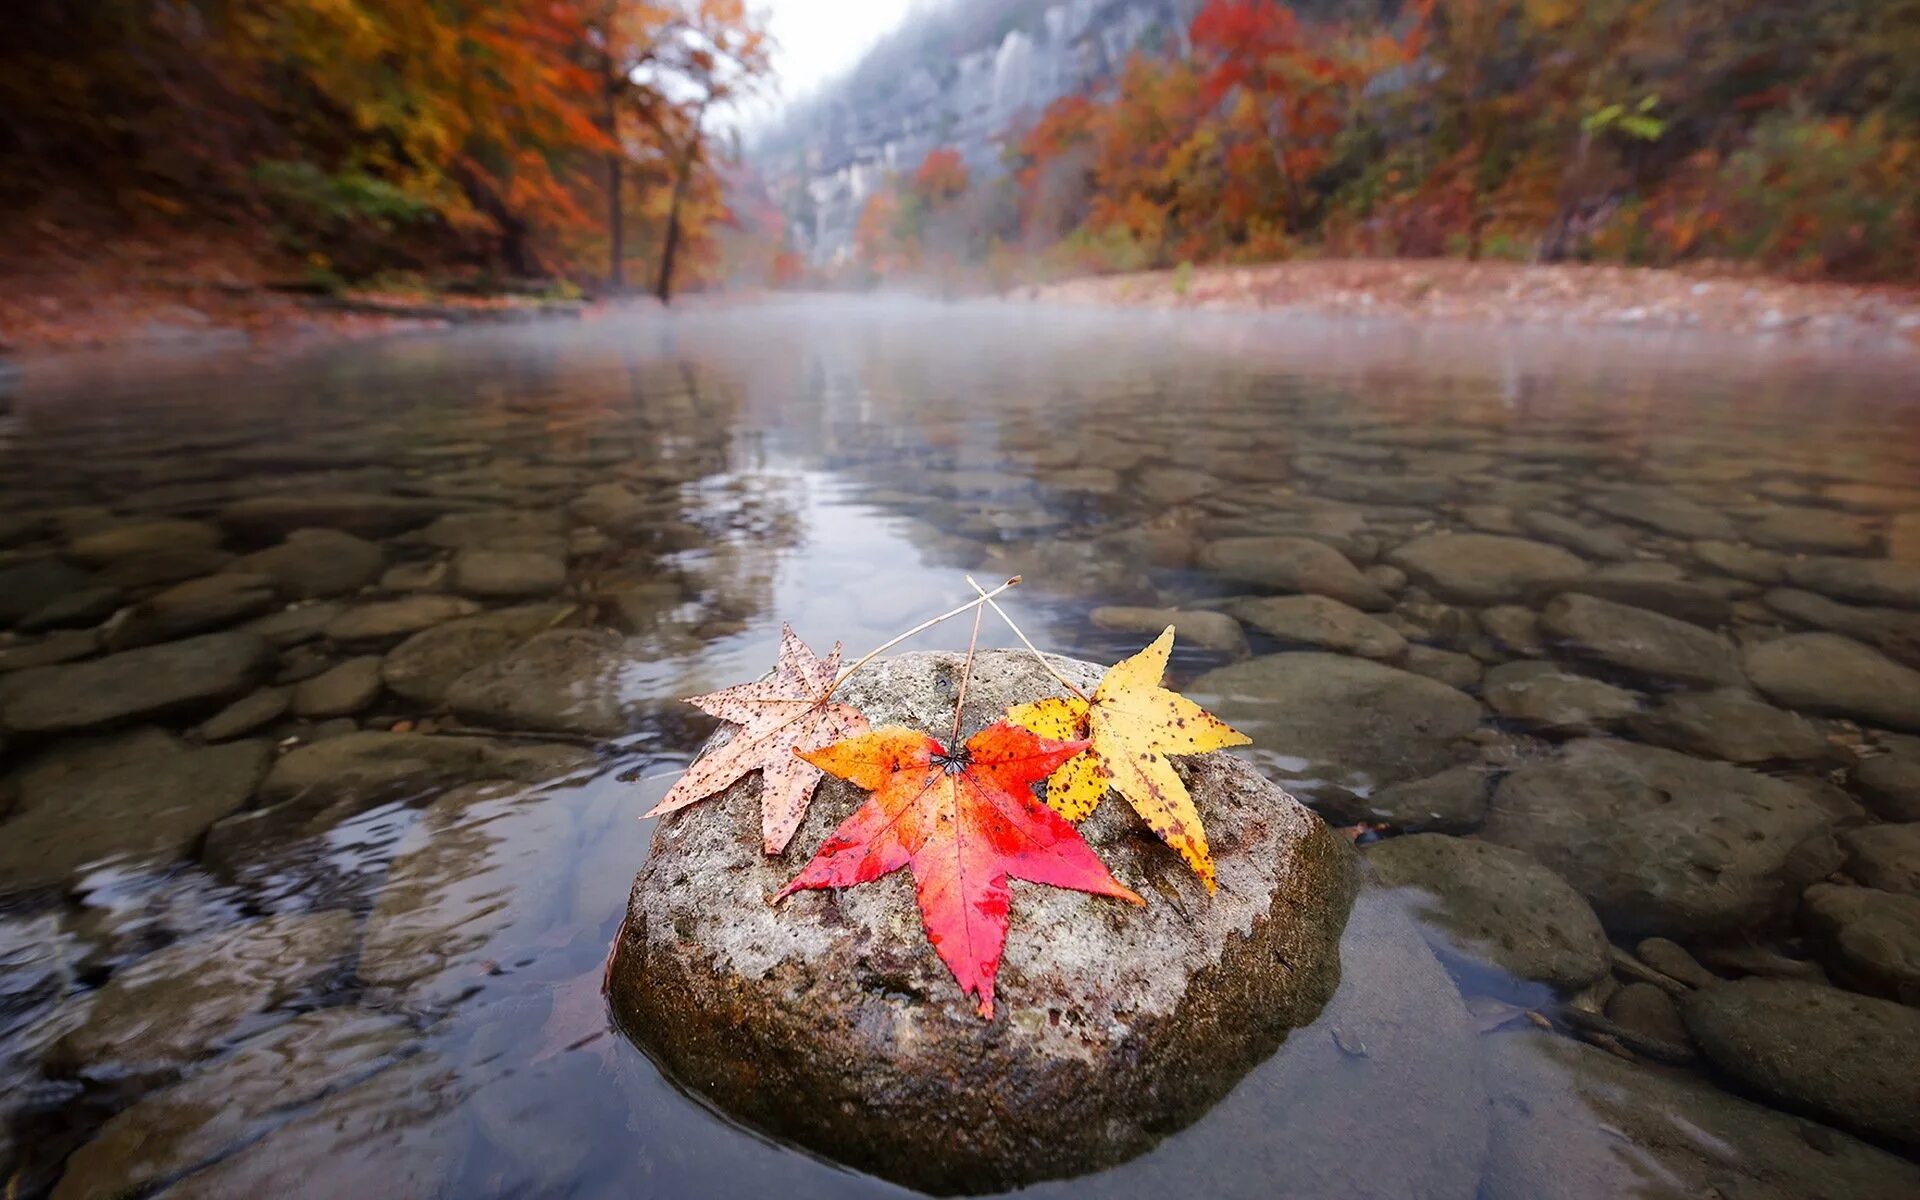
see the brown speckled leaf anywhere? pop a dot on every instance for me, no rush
(788, 711)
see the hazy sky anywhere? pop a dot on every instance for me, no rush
(818, 39)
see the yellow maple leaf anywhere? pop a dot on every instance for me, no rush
(1133, 723)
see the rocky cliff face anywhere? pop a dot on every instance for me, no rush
(966, 77)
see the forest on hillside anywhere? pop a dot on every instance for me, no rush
(499, 143)
(1783, 135)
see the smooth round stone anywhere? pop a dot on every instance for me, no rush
(1849, 1059)
(1892, 784)
(153, 680)
(1731, 725)
(104, 546)
(1641, 642)
(318, 562)
(1294, 564)
(1868, 938)
(1208, 630)
(1545, 695)
(1885, 856)
(1836, 676)
(1662, 843)
(1481, 568)
(828, 1020)
(339, 691)
(1323, 622)
(1489, 905)
(492, 573)
(1860, 580)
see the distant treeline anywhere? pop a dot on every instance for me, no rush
(1781, 133)
(509, 138)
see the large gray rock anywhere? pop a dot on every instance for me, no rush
(1868, 938)
(1293, 564)
(1837, 676)
(1732, 725)
(1861, 580)
(387, 620)
(1891, 784)
(423, 667)
(165, 1011)
(138, 797)
(1894, 633)
(1332, 725)
(268, 518)
(565, 681)
(195, 606)
(1664, 511)
(318, 562)
(1841, 1057)
(1492, 905)
(1885, 856)
(339, 691)
(498, 529)
(1641, 642)
(1453, 801)
(170, 1132)
(1662, 843)
(1550, 697)
(830, 1021)
(1571, 1122)
(198, 673)
(1320, 621)
(1482, 568)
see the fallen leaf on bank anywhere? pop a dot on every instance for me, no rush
(1133, 724)
(963, 822)
(787, 711)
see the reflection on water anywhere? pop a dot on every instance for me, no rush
(333, 688)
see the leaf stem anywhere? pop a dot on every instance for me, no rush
(986, 598)
(966, 673)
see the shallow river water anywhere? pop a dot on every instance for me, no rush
(309, 866)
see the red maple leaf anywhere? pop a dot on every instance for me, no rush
(964, 822)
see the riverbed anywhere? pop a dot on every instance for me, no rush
(334, 685)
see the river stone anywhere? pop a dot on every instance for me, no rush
(1648, 1012)
(1293, 564)
(497, 529)
(1514, 628)
(1208, 630)
(1482, 568)
(339, 691)
(163, 567)
(1453, 801)
(61, 647)
(386, 619)
(1811, 531)
(1584, 540)
(1861, 580)
(1662, 843)
(167, 1010)
(167, 1133)
(1444, 666)
(1319, 621)
(1730, 725)
(564, 680)
(1641, 642)
(1333, 725)
(1665, 512)
(139, 796)
(830, 1021)
(1572, 1122)
(269, 518)
(192, 607)
(86, 607)
(496, 574)
(246, 714)
(1548, 696)
(1891, 784)
(196, 673)
(1849, 1059)
(1894, 633)
(1488, 905)
(423, 667)
(31, 586)
(104, 546)
(1682, 599)
(315, 563)
(1869, 939)
(295, 624)
(1740, 561)
(1885, 856)
(1836, 676)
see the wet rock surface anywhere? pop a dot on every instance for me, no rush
(1110, 1032)
(1645, 643)
(1664, 843)
(1486, 903)
(1851, 1060)
(1869, 939)
(1826, 673)
(1485, 569)
(151, 681)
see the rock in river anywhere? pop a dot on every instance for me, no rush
(1482, 568)
(1885, 857)
(1642, 642)
(1852, 1060)
(1837, 676)
(1320, 621)
(565, 680)
(1862, 580)
(1545, 695)
(141, 796)
(1488, 904)
(831, 1022)
(1732, 725)
(1333, 725)
(1662, 843)
(423, 667)
(507, 573)
(1571, 1122)
(197, 673)
(318, 562)
(1868, 938)
(1294, 564)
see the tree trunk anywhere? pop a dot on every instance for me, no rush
(616, 228)
(683, 179)
(1277, 145)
